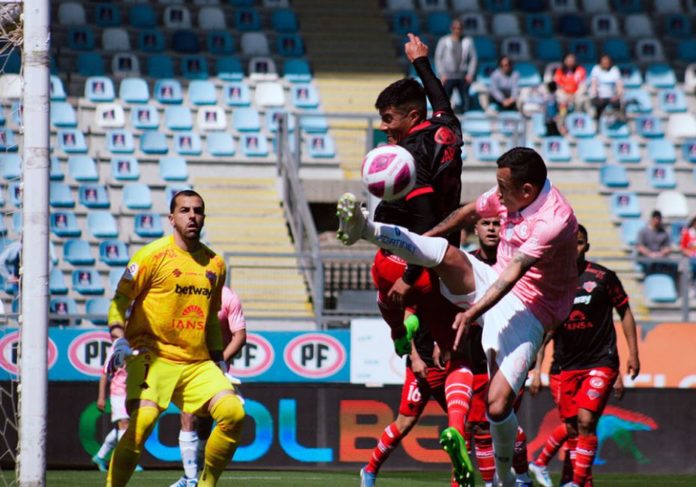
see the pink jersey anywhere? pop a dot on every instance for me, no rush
(546, 230)
(117, 385)
(230, 315)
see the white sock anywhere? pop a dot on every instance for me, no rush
(503, 434)
(109, 443)
(188, 444)
(414, 248)
(120, 433)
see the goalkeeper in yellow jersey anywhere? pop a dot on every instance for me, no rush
(171, 343)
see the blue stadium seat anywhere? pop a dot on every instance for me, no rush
(134, 90)
(148, 225)
(580, 125)
(219, 42)
(220, 144)
(529, 74)
(686, 51)
(497, 6)
(254, 145)
(17, 222)
(638, 100)
(64, 224)
(273, 119)
(314, 123)
(246, 20)
(476, 124)
(661, 151)
(549, 50)
(99, 89)
(617, 49)
(178, 117)
(56, 171)
(628, 6)
(144, 117)
(80, 38)
(660, 76)
(625, 204)
(485, 49)
(14, 189)
(160, 66)
(677, 25)
(613, 176)
(661, 176)
(120, 141)
(236, 94)
(113, 252)
(99, 308)
(57, 89)
(626, 150)
(194, 67)
(572, 25)
(584, 49)
(101, 224)
(246, 120)
(107, 15)
(592, 150)
(297, 71)
(649, 126)
(11, 165)
(60, 195)
(173, 169)
(556, 149)
(171, 190)
(56, 282)
(151, 41)
(87, 281)
(284, 20)
(62, 306)
(114, 277)
(689, 150)
(185, 42)
(168, 91)
(672, 100)
(509, 122)
(614, 130)
(660, 288)
(630, 75)
(77, 252)
(229, 68)
(290, 45)
(153, 142)
(63, 115)
(8, 142)
(202, 92)
(11, 61)
(17, 112)
(93, 196)
(630, 228)
(187, 144)
(438, 23)
(142, 16)
(405, 21)
(539, 25)
(304, 95)
(321, 146)
(137, 196)
(486, 149)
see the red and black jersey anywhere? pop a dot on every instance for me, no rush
(587, 338)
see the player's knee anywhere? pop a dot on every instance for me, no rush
(228, 411)
(405, 423)
(141, 423)
(498, 409)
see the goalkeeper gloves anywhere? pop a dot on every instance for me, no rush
(120, 351)
(402, 345)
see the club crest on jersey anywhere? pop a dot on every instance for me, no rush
(130, 272)
(524, 230)
(597, 382)
(589, 286)
(211, 276)
(176, 272)
(592, 394)
(445, 136)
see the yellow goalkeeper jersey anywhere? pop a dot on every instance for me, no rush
(174, 296)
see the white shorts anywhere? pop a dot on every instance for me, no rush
(509, 328)
(118, 408)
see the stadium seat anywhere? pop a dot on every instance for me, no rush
(681, 126)
(56, 282)
(137, 196)
(529, 75)
(99, 309)
(509, 123)
(114, 277)
(77, 252)
(660, 76)
(539, 26)
(125, 168)
(93, 196)
(638, 25)
(661, 176)
(99, 89)
(160, 66)
(649, 51)
(14, 189)
(173, 169)
(485, 49)
(486, 149)
(549, 50)
(269, 94)
(613, 176)
(613, 129)
(630, 228)
(211, 118)
(631, 76)
(672, 204)
(178, 117)
(660, 288)
(153, 142)
(57, 89)
(556, 149)
(194, 67)
(604, 25)
(115, 39)
(254, 145)
(624, 204)
(289, 45)
(572, 25)
(151, 41)
(185, 42)
(297, 71)
(626, 150)
(64, 224)
(148, 225)
(473, 24)
(229, 68)
(80, 38)
(686, 51)
(438, 23)
(202, 92)
(595, 6)
(584, 49)
(144, 117)
(618, 50)
(211, 18)
(262, 69)
(171, 190)
(676, 25)
(649, 126)
(17, 223)
(580, 125)
(476, 124)
(321, 146)
(246, 20)
(101, 224)
(11, 165)
(637, 100)
(134, 90)
(87, 281)
(142, 16)
(592, 150)
(314, 123)
(109, 115)
(8, 142)
(56, 171)
(177, 17)
(168, 91)
(516, 48)
(220, 144)
(689, 151)
(219, 42)
(255, 44)
(672, 100)
(82, 168)
(63, 306)
(505, 24)
(404, 22)
(661, 151)
(71, 13)
(628, 6)
(667, 6)
(432, 5)
(187, 144)
(113, 252)
(60, 195)
(62, 115)
(273, 119)
(304, 96)
(284, 20)
(246, 120)
(120, 141)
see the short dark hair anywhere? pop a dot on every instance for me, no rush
(583, 230)
(405, 95)
(526, 166)
(184, 192)
(656, 214)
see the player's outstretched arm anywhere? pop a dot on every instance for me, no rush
(417, 53)
(628, 323)
(462, 216)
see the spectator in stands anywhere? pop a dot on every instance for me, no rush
(455, 62)
(654, 245)
(553, 116)
(606, 88)
(570, 79)
(505, 85)
(687, 245)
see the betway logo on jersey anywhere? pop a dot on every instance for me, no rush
(192, 291)
(87, 352)
(9, 353)
(315, 356)
(188, 319)
(255, 358)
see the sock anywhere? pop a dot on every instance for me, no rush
(120, 434)
(557, 437)
(569, 464)
(129, 448)
(224, 439)
(484, 455)
(188, 445)
(584, 457)
(458, 395)
(109, 443)
(391, 437)
(503, 434)
(519, 459)
(200, 453)
(414, 248)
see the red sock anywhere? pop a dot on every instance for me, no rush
(569, 463)
(519, 459)
(389, 440)
(458, 396)
(469, 439)
(584, 457)
(484, 456)
(557, 437)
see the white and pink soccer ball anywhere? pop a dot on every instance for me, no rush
(389, 172)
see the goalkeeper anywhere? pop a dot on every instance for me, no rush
(171, 343)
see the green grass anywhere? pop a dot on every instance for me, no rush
(163, 478)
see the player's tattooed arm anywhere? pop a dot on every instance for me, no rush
(456, 220)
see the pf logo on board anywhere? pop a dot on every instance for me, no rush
(255, 358)
(9, 353)
(88, 351)
(315, 356)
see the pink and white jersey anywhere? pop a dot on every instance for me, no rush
(230, 315)
(546, 230)
(117, 384)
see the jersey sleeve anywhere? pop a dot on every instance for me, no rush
(616, 292)
(488, 204)
(135, 278)
(231, 314)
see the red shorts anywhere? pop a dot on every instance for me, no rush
(555, 388)
(387, 269)
(416, 393)
(477, 409)
(587, 389)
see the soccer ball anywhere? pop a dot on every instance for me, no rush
(389, 172)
